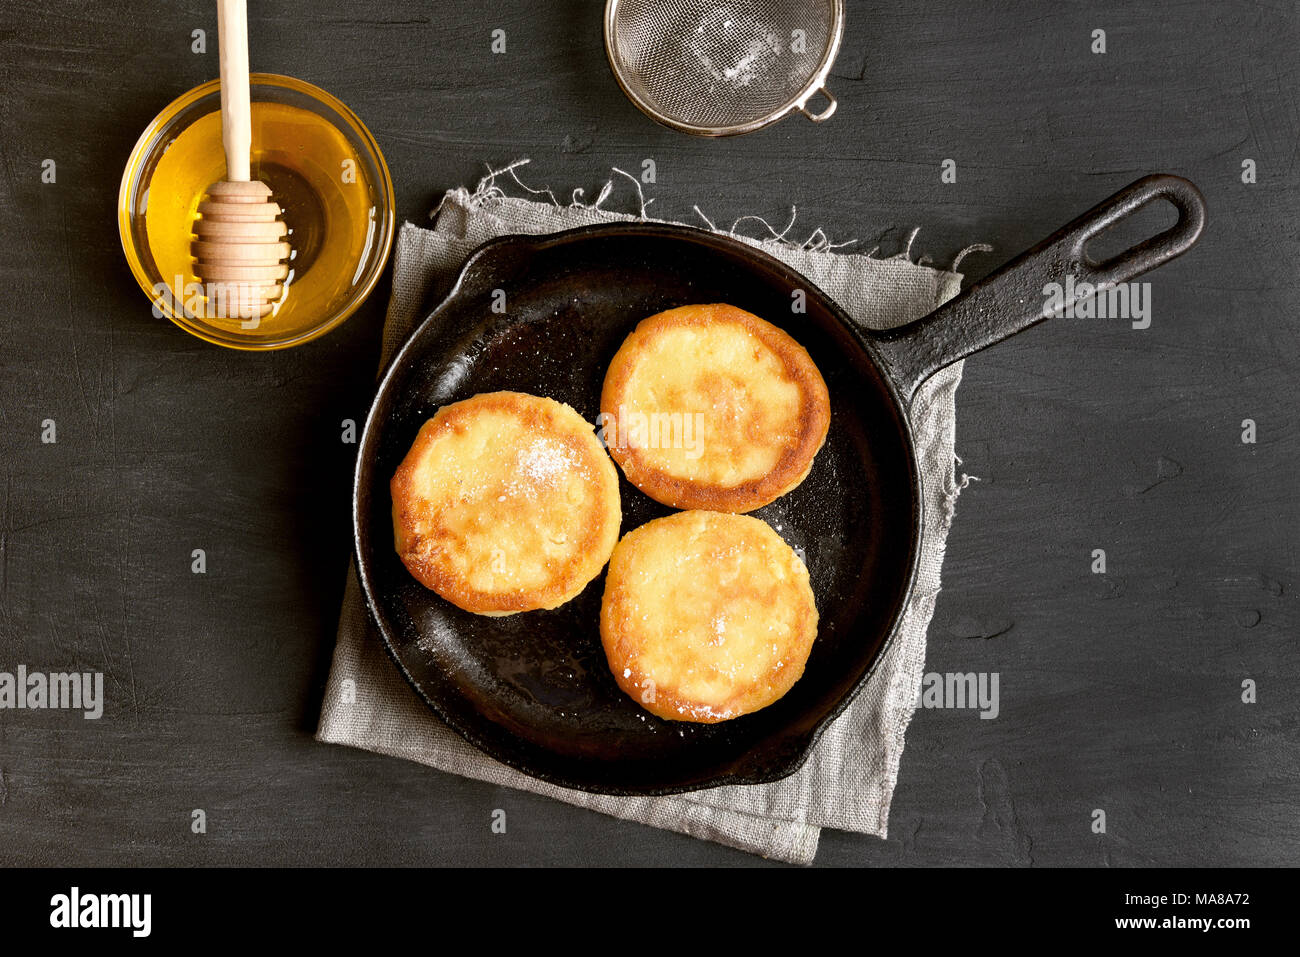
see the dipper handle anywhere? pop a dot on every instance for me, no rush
(236, 112)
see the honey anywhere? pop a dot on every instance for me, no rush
(334, 210)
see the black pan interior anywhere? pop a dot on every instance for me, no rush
(533, 689)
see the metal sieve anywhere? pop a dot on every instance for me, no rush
(721, 67)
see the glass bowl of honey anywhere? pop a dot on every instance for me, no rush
(325, 171)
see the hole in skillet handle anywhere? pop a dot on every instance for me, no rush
(1185, 198)
(1149, 220)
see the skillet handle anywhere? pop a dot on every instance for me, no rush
(1015, 297)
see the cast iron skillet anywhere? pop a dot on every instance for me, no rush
(533, 689)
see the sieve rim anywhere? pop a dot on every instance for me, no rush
(816, 81)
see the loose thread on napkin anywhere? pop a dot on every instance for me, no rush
(488, 191)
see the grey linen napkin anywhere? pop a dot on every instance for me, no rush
(850, 777)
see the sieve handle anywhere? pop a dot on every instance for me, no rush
(827, 112)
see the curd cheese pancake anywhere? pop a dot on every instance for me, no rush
(706, 616)
(711, 407)
(505, 503)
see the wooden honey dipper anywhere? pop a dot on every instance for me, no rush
(239, 244)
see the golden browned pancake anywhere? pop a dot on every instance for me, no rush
(506, 502)
(711, 407)
(706, 616)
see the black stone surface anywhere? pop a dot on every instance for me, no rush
(1119, 691)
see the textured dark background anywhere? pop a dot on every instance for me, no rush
(1119, 691)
